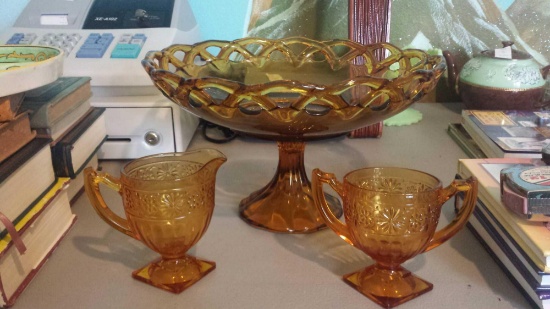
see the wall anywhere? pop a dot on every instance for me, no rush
(464, 27)
(218, 19)
(9, 12)
(221, 19)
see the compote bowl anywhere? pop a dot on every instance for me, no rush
(291, 90)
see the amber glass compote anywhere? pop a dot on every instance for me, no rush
(291, 90)
(392, 214)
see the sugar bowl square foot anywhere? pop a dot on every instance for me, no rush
(174, 279)
(388, 288)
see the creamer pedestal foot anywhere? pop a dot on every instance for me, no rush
(174, 275)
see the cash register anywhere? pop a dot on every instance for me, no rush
(106, 40)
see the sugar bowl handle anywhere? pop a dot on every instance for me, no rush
(469, 186)
(320, 177)
(92, 179)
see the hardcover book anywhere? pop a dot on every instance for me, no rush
(519, 246)
(534, 284)
(53, 101)
(71, 153)
(66, 124)
(532, 236)
(25, 177)
(508, 133)
(457, 132)
(76, 187)
(15, 134)
(9, 106)
(41, 230)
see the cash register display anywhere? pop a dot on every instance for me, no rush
(129, 14)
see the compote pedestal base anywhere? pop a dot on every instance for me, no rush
(174, 275)
(387, 287)
(285, 204)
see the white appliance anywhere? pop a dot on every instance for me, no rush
(106, 40)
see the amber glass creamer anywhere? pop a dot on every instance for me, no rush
(168, 201)
(392, 214)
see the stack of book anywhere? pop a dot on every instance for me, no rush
(37, 214)
(47, 137)
(62, 111)
(502, 134)
(519, 246)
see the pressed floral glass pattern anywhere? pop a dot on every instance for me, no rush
(395, 220)
(165, 171)
(168, 200)
(392, 214)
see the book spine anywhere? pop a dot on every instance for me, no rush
(528, 235)
(62, 160)
(39, 118)
(14, 135)
(514, 252)
(529, 295)
(9, 106)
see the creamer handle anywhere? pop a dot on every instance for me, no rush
(92, 179)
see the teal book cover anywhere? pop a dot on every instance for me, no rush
(50, 103)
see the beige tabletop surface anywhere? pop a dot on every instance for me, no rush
(92, 266)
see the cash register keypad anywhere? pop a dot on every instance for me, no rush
(64, 41)
(129, 46)
(96, 44)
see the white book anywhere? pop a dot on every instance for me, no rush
(41, 230)
(73, 152)
(30, 171)
(533, 237)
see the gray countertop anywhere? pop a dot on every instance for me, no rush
(257, 269)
